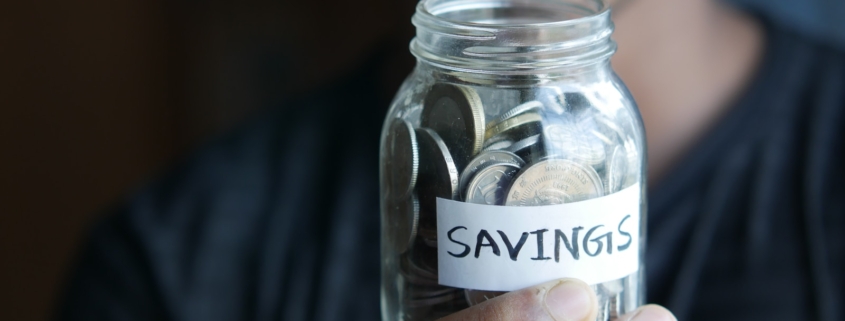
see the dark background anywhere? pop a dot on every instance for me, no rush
(96, 97)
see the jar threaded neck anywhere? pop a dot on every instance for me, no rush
(512, 37)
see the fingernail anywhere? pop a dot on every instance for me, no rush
(568, 300)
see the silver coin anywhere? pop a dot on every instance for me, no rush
(438, 175)
(402, 221)
(608, 140)
(610, 128)
(554, 181)
(500, 145)
(614, 306)
(517, 127)
(617, 170)
(522, 108)
(613, 287)
(498, 142)
(523, 146)
(457, 115)
(634, 162)
(403, 160)
(631, 291)
(483, 160)
(595, 133)
(491, 183)
(568, 141)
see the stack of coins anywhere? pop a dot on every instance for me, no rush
(543, 151)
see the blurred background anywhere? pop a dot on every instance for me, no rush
(97, 97)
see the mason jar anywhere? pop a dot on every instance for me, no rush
(511, 156)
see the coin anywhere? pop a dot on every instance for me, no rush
(438, 175)
(517, 127)
(403, 162)
(608, 140)
(522, 108)
(614, 306)
(634, 162)
(496, 142)
(613, 287)
(568, 141)
(499, 145)
(491, 183)
(483, 160)
(554, 181)
(593, 135)
(523, 147)
(402, 221)
(610, 128)
(457, 115)
(617, 170)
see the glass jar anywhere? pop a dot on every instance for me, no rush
(512, 155)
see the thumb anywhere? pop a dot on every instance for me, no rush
(559, 300)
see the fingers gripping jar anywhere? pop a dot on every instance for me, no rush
(511, 156)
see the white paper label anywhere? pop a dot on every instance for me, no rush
(505, 248)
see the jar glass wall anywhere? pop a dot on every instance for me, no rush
(512, 104)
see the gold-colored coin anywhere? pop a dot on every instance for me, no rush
(455, 113)
(517, 127)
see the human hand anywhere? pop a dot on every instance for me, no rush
(560, 300)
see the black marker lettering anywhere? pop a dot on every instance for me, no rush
(514, 251)
(626, 234)
(479, 242)
(573, 248)
(466, 247)
(540, 245)
(596, 240)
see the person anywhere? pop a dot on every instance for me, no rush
(745, 122)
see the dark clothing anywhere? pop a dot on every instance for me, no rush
(750, 225)
(280, 221)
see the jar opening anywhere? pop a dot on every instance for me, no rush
(512, 13)
(512, 36)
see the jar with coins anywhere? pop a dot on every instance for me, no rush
(511, 156)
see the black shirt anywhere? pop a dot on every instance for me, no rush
(280, 220)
